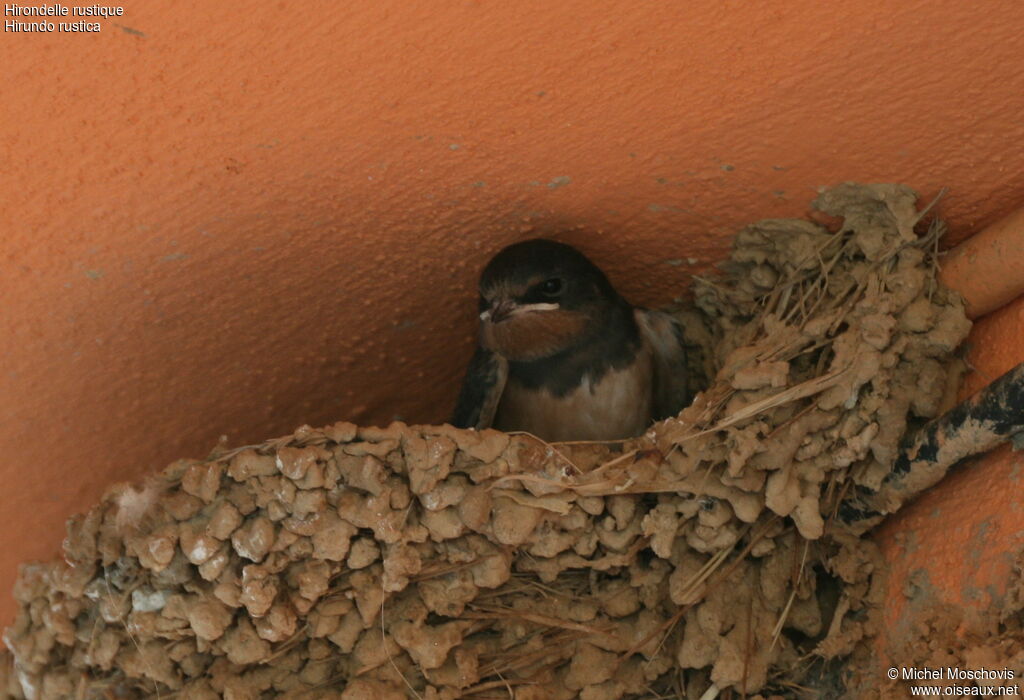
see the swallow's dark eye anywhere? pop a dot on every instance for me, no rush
(552, 287)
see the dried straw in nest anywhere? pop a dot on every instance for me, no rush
(429, 562)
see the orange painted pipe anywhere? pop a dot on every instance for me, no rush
(988, 268)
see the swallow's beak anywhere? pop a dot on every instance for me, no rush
(499, 311)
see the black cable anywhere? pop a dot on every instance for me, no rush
(975, 426)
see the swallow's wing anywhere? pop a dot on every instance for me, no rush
(481, 390)
(664, 336)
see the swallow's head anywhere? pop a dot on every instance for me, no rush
(539, 298)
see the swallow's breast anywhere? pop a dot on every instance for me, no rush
(617, 405)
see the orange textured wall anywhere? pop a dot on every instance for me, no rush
(234, 218)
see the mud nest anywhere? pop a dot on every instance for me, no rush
(423, 561)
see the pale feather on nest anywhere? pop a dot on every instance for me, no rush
(134, 504)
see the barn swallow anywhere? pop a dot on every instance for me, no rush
(564, 356)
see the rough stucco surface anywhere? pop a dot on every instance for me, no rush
(229, 219)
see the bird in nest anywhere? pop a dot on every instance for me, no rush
(564, 356)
